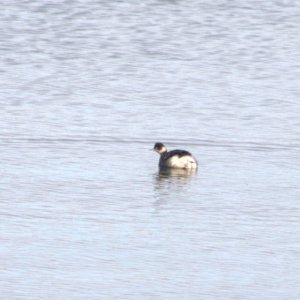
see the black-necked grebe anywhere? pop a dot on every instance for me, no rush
(179, 159)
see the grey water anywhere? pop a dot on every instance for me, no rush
(87, 88)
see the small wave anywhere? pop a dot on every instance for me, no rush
(233, 145)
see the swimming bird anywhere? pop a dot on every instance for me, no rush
(179, 159)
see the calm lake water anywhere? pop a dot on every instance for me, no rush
(88, 87)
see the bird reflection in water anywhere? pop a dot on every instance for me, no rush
(173, 173)
(171, 184)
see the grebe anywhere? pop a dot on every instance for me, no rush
(179, 159)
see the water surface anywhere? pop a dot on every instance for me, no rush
(87, 88)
